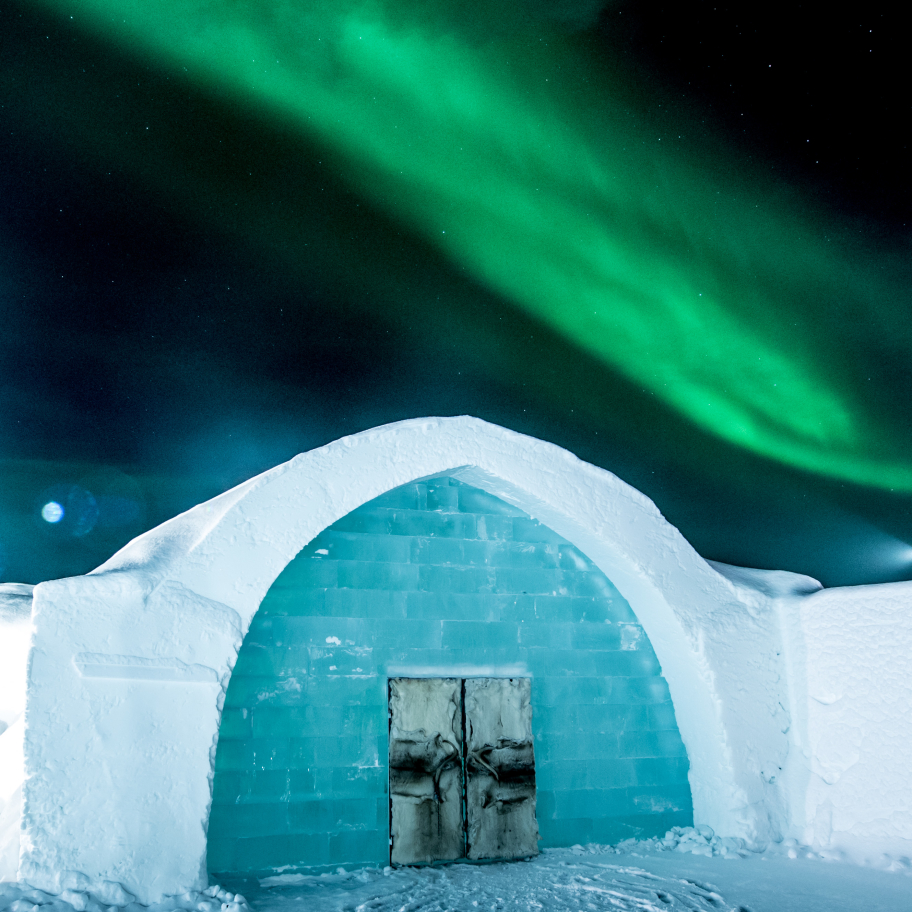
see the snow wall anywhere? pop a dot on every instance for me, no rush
(15, 635)
(792, 703)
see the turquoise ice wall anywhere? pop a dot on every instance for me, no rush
(436, 576)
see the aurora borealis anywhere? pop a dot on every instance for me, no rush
(493, 174)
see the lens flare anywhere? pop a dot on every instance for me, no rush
(68, 511)
(52, 512)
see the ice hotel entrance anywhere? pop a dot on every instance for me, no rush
(225, 678)
(461, 769)
(438, 676)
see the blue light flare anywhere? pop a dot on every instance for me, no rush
(52, 512)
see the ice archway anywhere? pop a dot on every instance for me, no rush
(130, 663)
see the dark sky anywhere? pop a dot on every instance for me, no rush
(192, 292)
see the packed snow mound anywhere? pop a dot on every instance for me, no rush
(771, 583)
(701, 840)
(111, 897)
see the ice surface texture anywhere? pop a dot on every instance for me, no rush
(442, 579)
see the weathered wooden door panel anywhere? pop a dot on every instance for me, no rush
(426, 779)
(500, 769)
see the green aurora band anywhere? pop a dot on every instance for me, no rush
(668, 261)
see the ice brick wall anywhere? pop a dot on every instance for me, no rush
(436, 578)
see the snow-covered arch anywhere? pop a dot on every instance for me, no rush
(131, 662)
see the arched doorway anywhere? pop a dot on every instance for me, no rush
(436, 578)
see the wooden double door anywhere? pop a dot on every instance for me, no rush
(462, 770)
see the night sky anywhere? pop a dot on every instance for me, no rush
(672, 238)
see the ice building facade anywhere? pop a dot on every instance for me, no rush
(437, 580)
(437, 628)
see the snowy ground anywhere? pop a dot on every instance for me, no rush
(634, 877)
(568, 881)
